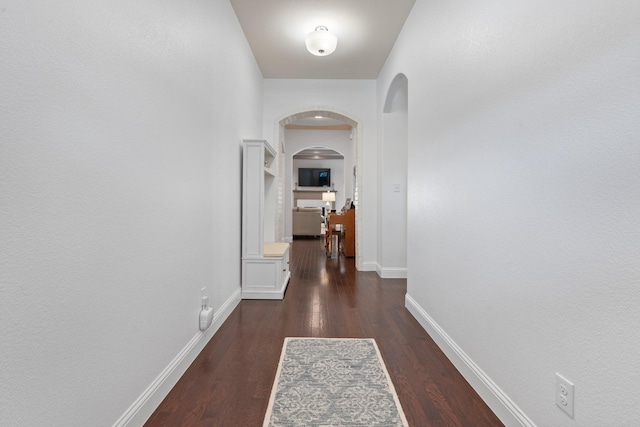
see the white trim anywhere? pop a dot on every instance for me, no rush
(391, 273)
(368, 266)
(508, 412)
(149, 400)
(265, 294)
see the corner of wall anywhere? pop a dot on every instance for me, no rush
(144, 406)
(508, 412)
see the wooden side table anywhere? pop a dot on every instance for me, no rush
(346, 232)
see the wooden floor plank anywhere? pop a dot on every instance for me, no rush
(229, 383)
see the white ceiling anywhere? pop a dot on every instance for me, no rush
(366, 30)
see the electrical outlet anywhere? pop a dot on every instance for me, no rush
(564, 394)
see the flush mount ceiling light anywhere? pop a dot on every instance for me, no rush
(321, 42)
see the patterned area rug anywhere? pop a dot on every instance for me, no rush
(332, 382)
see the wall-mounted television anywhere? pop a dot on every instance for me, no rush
(314, 177)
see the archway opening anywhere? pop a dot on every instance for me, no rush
(317, 129)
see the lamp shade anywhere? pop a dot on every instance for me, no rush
(328, 197)
(321, 42)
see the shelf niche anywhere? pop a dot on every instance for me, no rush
(265, 264)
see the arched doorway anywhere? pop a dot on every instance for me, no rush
(352, 172)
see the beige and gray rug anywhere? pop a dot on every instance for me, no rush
(333, 382)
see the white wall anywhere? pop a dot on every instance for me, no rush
(392, 181)
(108, 159)
(353, 98)
(524, 196)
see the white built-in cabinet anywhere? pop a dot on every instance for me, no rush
(265, 263)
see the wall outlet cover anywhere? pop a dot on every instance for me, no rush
(564, 394)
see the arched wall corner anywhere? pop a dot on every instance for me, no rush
(279, 136)
(393, 183)
(393, 102)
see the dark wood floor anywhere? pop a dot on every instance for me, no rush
(230, 382)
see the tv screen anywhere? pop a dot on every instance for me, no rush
(314, 177)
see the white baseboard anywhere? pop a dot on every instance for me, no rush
(508, 412)
(369, 266)
(143, 407)
(391, 273)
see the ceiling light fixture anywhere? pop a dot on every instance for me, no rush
(321, 42)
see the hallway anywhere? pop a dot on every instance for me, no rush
(230, 381)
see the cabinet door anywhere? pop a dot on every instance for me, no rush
(261, 275)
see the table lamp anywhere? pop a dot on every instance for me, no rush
(328, 197)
